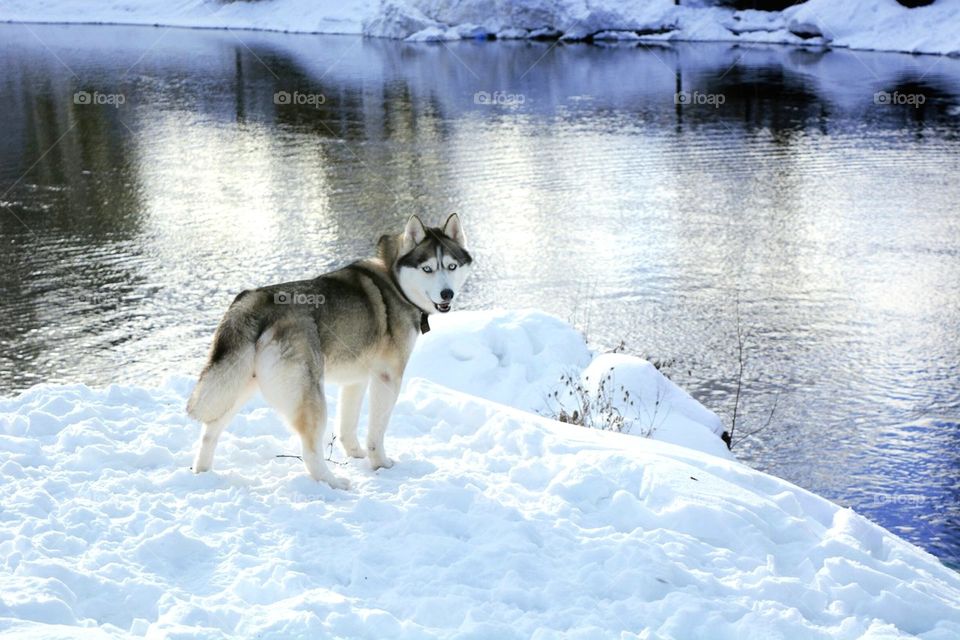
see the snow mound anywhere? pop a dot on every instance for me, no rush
(512, 357)
(433, 34)
(533, 361)
(632, 394)
(880, 24)
(495, 523)
(397, 20)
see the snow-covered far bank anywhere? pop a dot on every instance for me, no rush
(295, 16)
(881, 25)
(495, 522)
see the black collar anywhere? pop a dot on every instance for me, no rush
(424, 316)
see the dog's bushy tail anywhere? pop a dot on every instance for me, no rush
(230, 367)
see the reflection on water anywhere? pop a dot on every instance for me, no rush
(587, 191)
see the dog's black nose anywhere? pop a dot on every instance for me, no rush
(447, 294)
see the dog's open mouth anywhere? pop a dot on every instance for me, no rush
(442, 307)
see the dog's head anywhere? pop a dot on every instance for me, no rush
(432, 263)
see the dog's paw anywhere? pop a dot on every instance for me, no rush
(339, 483)
(380, 463)
(356, 451)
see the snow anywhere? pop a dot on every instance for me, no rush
(515, 358)
(433, 34)
(650, 404)
(494, 523)
(518, 358)
(303, 16)
(397, 20)
(882, 25)
(616, 36)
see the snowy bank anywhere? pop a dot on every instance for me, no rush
(533, 361)
(495, 522)
(882, 25)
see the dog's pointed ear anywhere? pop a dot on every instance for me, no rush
(413, 234)
(453, 230)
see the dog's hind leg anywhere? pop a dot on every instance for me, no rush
(290, 372)
(351, 398)
(384, 389)
(212, 430)
(309, 422)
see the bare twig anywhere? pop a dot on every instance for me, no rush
(736, 399)
(329, 457)
(581, 312)
(773, 410)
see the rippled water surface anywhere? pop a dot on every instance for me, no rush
(781, 189)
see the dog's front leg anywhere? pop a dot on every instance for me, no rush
(384, 389)
(351, 398)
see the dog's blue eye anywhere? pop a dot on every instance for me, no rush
(427, 269)
(452, 267)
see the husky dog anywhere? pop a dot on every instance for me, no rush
(355, 326)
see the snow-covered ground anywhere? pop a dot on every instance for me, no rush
(882, 25)
(495, 522)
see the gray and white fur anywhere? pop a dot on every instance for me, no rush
(355, 327)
